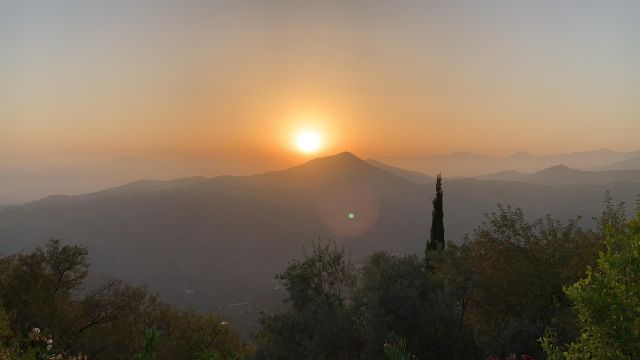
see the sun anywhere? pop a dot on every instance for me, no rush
(308, 141)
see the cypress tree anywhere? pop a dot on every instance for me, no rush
(436, 239)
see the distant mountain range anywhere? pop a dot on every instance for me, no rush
(215, 244)
(469, 165)
(564, 175)
(628, 164)
(23, 181)
(413, 176)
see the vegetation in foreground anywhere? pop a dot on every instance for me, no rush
(516, 288)
(45, 314)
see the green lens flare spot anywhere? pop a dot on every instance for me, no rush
(351, 216)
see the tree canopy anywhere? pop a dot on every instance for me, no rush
(532, 288)
(607, 301)
(45, 312)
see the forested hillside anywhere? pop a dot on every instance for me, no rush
(188, 238)
(514, 288)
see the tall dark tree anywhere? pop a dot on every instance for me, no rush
(436, 238)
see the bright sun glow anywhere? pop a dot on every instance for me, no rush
(308, 141)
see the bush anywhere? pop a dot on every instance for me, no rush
(607, 302)
(41, 290)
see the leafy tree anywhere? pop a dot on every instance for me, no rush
(149, 345)
(493, 295)
(399, 299)
(6, 335)
(317, 323)
(436, 238)
(613, 218)
(36, 288)
(103, 322)
(518, 272)
(607, 302)
(187, 335)
(397, 350)
(46, 313)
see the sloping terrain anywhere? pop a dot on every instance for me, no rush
(469, 164)
(215, 244)
(564, 175)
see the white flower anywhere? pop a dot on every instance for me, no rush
(50, 341)
(36, 330)
(223, 323)
(49, 347)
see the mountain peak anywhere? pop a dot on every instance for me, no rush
(344, 154)
(344, 157)
(338, 167)
(559, 167)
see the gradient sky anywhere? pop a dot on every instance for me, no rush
(229, 80)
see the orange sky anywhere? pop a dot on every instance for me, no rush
(229, 81)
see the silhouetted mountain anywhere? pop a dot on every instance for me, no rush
(564, 175)
(468, 164)
(629, 164)
(29, 180)
(215, 244)
(137, 187)
(508, 175)
(413, 176)
(218, 242)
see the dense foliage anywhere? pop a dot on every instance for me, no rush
(514, 288)
(493, 296)
(45, 312)
(318, 323)
(518, 270)
(607, 302)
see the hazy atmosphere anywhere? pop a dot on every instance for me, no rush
(219, 87)
(284, 179)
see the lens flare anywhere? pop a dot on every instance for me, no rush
(349, 211)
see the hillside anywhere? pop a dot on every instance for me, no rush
(413, 176)
(215, 244)
(628, 164)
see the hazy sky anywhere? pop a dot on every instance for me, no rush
(225, 80)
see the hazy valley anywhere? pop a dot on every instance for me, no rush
(214, 244)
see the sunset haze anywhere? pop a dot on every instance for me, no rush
(227, 79)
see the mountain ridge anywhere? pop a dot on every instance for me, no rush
(467, 164)
(628, 164)
(564, 175)
(236, 232)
